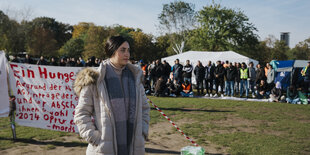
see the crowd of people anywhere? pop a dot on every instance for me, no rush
(68, 62)
(222, 79)
(212, 80)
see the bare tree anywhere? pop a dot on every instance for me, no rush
(19, 15)
(175, 20)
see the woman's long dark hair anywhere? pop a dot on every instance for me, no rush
(112, 44)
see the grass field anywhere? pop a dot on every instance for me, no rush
(241, 127)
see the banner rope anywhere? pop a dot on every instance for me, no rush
(163, 114)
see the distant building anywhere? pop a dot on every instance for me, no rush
(285, 36)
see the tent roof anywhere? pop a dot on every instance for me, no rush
(288, 65)
(205, 56)
(301, 63)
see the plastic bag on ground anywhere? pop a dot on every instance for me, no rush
(192, 150)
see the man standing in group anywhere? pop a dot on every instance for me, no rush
(28, 60)
(41, 61)
(260, 74)
(219, 78)
(159, 70)
(244, 74)
(270, 77)
(187, 72)
(230, 74)
(151, 74)
(167, 69)
(252, 76)
(209, 77)
(199, 75)
(306, 74)
(177, 71)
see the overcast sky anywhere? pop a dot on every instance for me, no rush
(270, 17)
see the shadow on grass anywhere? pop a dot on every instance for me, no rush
(151, 150)
(55, 143)
(158, 151)
(188, 109)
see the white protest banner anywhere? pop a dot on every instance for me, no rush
(44, 96)
(4, 95)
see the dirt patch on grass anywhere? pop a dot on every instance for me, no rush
(163, 137)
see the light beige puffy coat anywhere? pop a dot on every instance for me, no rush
(94, 103)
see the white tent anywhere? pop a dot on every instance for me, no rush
(204, 57)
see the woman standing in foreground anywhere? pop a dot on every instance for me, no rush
(115, 98)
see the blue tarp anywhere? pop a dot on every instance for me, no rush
(285, 64)
(283, 78)
(283, 72)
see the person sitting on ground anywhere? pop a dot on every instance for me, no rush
(160, 87)
(302, 96)
(262, 89)
(292, 95)
(187, 92)
(169, 84)
(175, 88)
(276, 93)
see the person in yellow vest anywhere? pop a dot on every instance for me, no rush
(244, 74)
(305, 72)
(187, 92)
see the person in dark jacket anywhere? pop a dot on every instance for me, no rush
(72, 62)
(208, 79)
(230, 74)
(175, 88)
(78, 63)
(28, 59)
(292, 95)
(262, 89)
(41, 61)
(53, 62)
(62, 62)
(219, 78)
(199, 72)
(177, 70)
(15, 59)
(305, 72)
(159, 70)
(260, 74)
(68, 62)
(187, 72)
(160, 87)
(167, 69)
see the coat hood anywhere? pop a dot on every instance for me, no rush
(85, 77)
